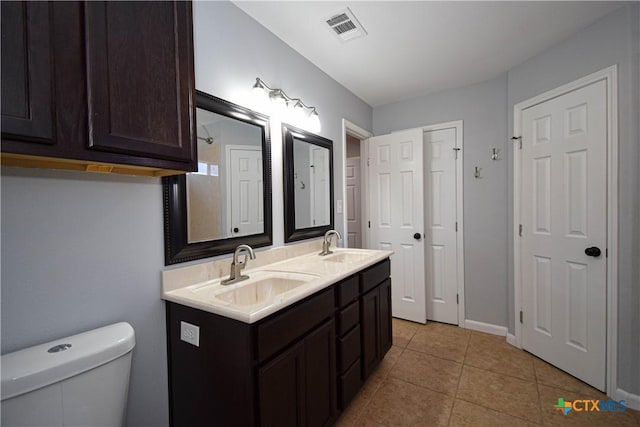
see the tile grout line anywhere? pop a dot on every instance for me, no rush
(466, 349)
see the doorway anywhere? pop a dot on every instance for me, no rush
(355, 208)
(565, 230)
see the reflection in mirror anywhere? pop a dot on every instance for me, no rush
(311, 179)
(308, 179)
(224, 196)
(227, 201)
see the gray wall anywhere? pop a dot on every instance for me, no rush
(613, 39)
(231, 50)
(81, 250)
(482, 107)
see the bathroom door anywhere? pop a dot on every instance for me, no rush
(244, 190)
(563, 205)
(353, 202)
(396, 217)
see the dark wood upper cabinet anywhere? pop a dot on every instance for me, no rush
(139, 68)
(102, 83)
(27, 72)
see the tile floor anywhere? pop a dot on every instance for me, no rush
(442, 375)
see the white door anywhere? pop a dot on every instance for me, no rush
(396, 190)
(563, 212)
(320, 210)
(354, 224)
(245, 191)
(440, 221)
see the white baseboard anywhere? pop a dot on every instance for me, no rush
(485, 327)
(511, 339)
(631, 400)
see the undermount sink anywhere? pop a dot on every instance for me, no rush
(345, 257)
(261, 287)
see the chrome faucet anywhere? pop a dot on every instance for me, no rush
(236, 265)
(327, 242)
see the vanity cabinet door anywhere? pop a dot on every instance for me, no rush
(370, 327)
(27, 72)
(282, 389)
(298, 387)
(140, 78)
(375, 323)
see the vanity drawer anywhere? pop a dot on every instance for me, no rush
(278, 332)
(373, 276)
(347, 291)
(349, 384)
(348, 318)
(348, 349)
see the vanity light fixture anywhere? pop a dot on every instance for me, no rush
(298, 111)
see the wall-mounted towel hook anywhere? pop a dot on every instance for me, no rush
(495, 153)
(476, 174)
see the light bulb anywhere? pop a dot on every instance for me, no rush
(314, 122)
(259, 94)
(278, 100)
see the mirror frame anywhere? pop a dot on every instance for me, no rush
(291, 233)
(177, 248)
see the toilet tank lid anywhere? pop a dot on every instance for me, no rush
(35, 367)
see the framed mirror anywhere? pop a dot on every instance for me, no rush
(227, 202)
(308, 184)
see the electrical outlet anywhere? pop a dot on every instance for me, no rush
(190, 333)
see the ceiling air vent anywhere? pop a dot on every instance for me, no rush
(345, 25)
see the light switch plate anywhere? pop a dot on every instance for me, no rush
(190, 333)
(339, 206)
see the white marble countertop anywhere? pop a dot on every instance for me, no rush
(315, 271)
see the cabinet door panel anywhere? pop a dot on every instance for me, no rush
(27, 72)
(132, 59)
(369, 325)
(282, 391)
(320, 362)
(386, 334)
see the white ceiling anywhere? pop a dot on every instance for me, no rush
(415, 48)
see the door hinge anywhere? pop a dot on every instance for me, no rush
(520, 229)
(521, 316)
(456, 149)
(457, 298)
(456, 226)
(519, 139)
(369, 224)
(606, 253)
(368, 161)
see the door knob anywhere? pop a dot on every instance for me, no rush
(593, 251)
(417, 236)
(236, 229)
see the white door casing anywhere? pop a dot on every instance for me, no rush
(352, 202)
(244, 190)
(396, 214)
(441, 252)
(563, 211)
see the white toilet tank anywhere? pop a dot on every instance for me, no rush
(80, 380)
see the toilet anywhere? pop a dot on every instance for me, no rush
(81, 380)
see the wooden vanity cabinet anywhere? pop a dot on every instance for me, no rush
(300, 366)
(98, 83)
